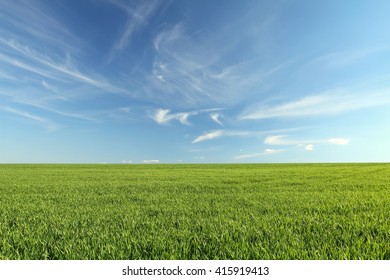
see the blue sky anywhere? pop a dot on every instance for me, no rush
(194, 81)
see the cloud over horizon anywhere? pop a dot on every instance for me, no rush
(151, 161)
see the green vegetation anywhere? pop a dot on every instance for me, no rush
(264, 211)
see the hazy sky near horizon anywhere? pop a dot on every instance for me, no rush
(194, 81)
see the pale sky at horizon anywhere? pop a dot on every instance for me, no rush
(194, 81)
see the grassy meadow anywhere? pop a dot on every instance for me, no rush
(227, 211)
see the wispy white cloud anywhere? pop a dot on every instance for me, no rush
(163, 116)
(52, 89)
(51, 126)
(137, 17)
(327, 103)
(344, 58)
(283, 140)
(237, 133)
(191, 69)
(47, 103)
(309, 105)
(271, 151)
(24, 114)
(45, 63)
(46, 86)
(266, 152)
(279, 140)
(24, 66)
(215, 117)
(36, 21)
(7, 76)
(209, 136)
(309, 147)
(338, 141)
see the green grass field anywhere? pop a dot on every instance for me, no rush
(264, 211)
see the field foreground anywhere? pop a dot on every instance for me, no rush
(263, 211)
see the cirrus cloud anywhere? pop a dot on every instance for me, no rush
(332, 101)
(164, 116)
(283, 140)
(266, 152)
(338, 141)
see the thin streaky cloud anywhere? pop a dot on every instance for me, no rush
(215, 117)
(34, 20)
(219, 133)
(255, 155)
(191, 69)
(49, 87)
(46, 86)
(23, 114)
(24, 66)
(280, 140)
(270, 151)
(283, 140)
(137, 18)
(51, 126)
(79, 116)
(40, 100)
(64, 69)
(338, 141)
(344, 58)
(330, 102)
(211, 135)
(7, 76)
